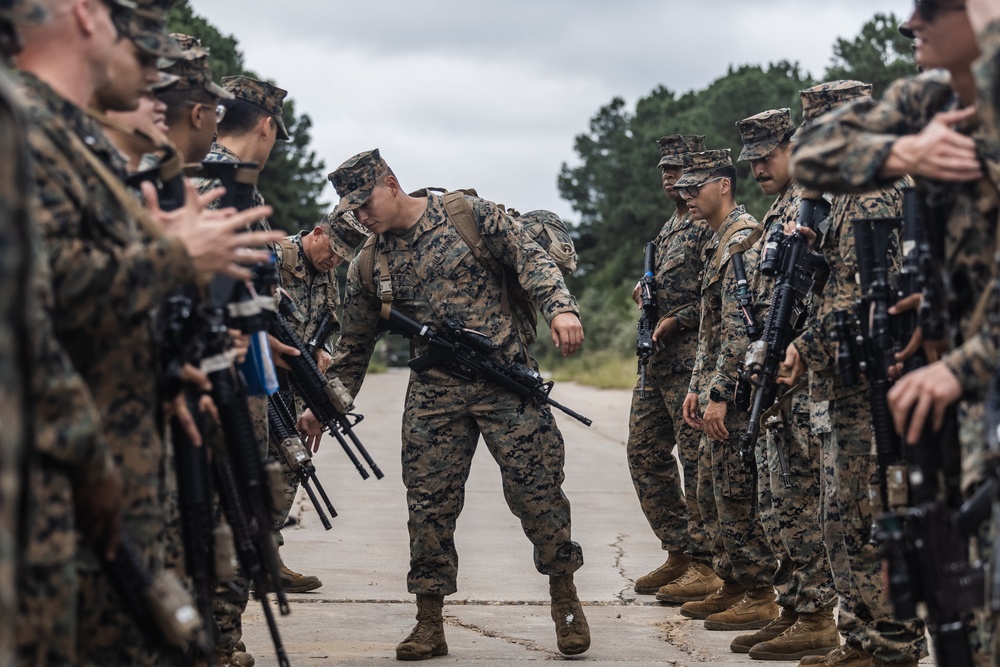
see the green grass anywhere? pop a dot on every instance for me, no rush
(604, 369)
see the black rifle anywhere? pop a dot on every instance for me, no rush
(329, 400)
(743, 298)
(468, 355)
(644, 347)
(167, 177)
(282, 424)
(799, 271)
(325, 327)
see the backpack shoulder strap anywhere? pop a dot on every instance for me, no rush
(461, 215)
(366, 272)
(745, 244)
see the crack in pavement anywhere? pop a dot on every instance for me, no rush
(619, 552)
(678, 635)
(493, 634)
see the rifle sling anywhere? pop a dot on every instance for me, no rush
(742, 246)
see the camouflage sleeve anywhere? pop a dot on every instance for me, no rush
(357, 339)
(694, 387)
(987, 73)
(732, 331)
(115, 282)
(844, 150)
(974, 364)
(536, 270)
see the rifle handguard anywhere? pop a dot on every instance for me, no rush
(174, 609)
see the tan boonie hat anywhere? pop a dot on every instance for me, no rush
(355, 179)
(346, 234)
(265, 95)
(826, 97)
(674, 146)
(146, 25)
(763, 132)
(194, 73)
(699, 167)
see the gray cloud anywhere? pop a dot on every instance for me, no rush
(491, 95)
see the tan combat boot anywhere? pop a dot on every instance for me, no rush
(298, 583)
(426, 640)
(572, 631)
(846, 655)
(785, 620)
(696, 584)
(756, 610)
(675, 566)
(812, 634)
(720, 600)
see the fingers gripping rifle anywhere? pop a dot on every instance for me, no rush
(467, 355)
(325, 327)
(167, 177)
(329, 401)
(798, 271)
(644, 346)
(282, 425)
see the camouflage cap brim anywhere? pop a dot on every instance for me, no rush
(906, 31)
(698, 177)
(346, 234)
(215, 89)
(671, 161)
(149, 33)
(165, 82)
(758, 151)
(282, 130)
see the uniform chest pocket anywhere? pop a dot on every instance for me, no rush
(451, 261)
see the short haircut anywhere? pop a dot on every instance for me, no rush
(177, 102)
(729, 171)
(241, 117)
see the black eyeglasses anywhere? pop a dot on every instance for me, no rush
(929, 9)
(692, 191)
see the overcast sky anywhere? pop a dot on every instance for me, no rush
(492, 94)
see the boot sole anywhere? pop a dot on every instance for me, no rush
(697, 615)
(651, 590)
(305, 588)
(574, 651)
(792, 656)
(677, 599)
(436, 653)
(753, 625)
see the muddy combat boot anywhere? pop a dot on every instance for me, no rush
(744, 643)
(675, 566)
(298, 583)
(572, 631)
(426, 640)
(812, 634)
(696, 584)
(756, 610)
(720, 600)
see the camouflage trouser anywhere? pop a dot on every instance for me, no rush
(107, 635)
(726, 495)
(289, 480)
(670, 502)
(46, 615)
(846, 517)
(791, 516)
(441, 428)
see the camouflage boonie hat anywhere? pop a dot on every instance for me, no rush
(265, 95)
(763, 132)
(146, 25)
(355, 179)
(346, 234)
(699, 167)
(193, 70)
(675, 146)
(826, 97)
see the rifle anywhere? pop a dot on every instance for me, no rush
(325, 327)
(329, 400)
(798, 271)
(167, 177)
(743, 387)
(468, 355)
(644, 347)
(282, 424)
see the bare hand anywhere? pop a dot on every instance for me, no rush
(567, 333)
(937, 151)
(279, 351)
(930, 389)
(637, 294)
(715, 420)
(664, 329)
(323, 360)
(691, 412)
(932, 348)
(99, 513)
(311, 430)
(240, 343)
(981, 13)
(216, 240)
(792, 368)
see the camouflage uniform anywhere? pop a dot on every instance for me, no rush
(725, 484)
(435, 275)
(109, 270)
(790, 517)
(656, 423)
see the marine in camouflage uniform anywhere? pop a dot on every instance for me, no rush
(725, 484)
(435, 275)
(307, 268)
(668, 498)
(110, 266)
(253, 102)
(790, 516)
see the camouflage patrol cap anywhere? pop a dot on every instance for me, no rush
(355, 179)
(346, 233)
(675, 146)
(826, 97)
(186, 42)
(265, 95)
(146, 26)
(764, 132)
(699, 167)
(166, 82)
(194, 71)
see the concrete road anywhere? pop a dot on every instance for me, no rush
(500, 615)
